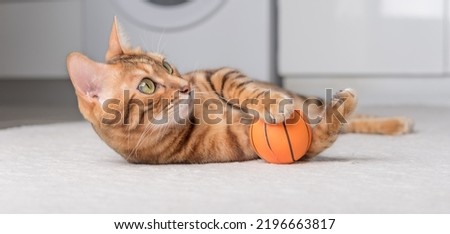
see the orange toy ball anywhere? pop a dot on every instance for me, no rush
(281, 143)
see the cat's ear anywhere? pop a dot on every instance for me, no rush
(86, 75)
(117, 45)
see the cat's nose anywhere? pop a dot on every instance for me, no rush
(185, 89)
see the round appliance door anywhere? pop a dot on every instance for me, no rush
(167, 14)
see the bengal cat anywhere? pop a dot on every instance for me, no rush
(148, 112)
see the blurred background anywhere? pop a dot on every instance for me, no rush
(393, 52)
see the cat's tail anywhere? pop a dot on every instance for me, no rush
(378, 125)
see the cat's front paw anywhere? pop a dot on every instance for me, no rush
(276, 108)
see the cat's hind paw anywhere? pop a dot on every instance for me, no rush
(349, 99)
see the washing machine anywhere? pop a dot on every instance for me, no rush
(192, 34)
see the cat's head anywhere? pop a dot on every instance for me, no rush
(127, 92)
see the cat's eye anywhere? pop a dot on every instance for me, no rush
(147, 86)
(167, 67)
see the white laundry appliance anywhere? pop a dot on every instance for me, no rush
(192, 34)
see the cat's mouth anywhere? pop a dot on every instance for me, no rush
(184, 99)
(181, 107)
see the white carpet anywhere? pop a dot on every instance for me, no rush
(65, 168)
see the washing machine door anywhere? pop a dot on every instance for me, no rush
(167, 15)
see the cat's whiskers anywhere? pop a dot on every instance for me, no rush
(139, 142)
(161, 130)
(143, 41)
(159, 42)
(128, 137)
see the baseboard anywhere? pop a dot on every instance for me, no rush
(47, 92)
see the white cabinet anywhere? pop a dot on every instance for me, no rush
(36, 36)
(371, 37)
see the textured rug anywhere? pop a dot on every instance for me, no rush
(65, 168)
